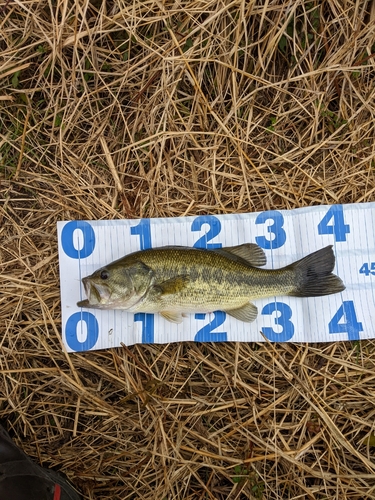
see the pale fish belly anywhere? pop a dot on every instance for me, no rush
(202, 297)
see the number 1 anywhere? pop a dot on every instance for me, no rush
(143, 229)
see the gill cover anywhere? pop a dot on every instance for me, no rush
(119, 285)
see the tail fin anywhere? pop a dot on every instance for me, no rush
(314, 275)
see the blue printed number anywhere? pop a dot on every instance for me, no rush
(367, 270)
(143, 229)
(351, 326)
(72, 329)
(147, 327)
(86, 242)
(338, 227)
(275, 229)
(206, 334)
(282, 320)
(215, 228)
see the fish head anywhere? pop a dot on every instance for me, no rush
(116, 286)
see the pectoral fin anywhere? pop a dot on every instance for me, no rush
(173, 316)
(172, 286)
(249, 252)
(247, 313)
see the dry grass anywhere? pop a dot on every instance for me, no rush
(162, 108)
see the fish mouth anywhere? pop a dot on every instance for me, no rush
(83, 303)
(90, 292)
(97, 294)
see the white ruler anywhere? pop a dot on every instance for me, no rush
(285, 236)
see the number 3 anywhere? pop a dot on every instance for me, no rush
(283, 320)
(276, 228)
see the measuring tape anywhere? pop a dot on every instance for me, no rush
(285, 236)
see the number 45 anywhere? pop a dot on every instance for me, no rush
(366, 269)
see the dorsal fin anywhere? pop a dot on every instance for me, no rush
(251, 253)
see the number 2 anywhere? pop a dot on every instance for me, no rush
(215, 228)
(206, 334)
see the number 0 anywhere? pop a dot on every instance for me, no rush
(92, 328)
(67, 239)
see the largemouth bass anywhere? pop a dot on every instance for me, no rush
(174, 281)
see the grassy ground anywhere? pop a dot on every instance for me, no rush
(161, 108)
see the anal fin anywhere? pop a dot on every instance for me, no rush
(246, 313)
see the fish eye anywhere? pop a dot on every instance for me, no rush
(104, 275)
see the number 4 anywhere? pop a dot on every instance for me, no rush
(351, 326)
(338, 227)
